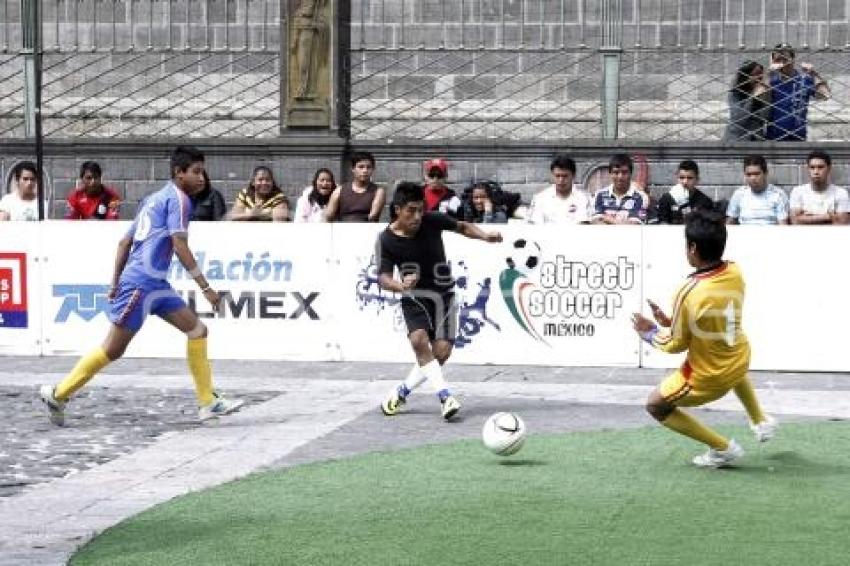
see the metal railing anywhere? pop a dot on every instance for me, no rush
(441, 70)
(456, 70)
(146, 68)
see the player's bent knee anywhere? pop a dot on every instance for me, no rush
(199, 331)
(658, 407)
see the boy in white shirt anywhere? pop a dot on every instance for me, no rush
(562, 202)
(21, 203)
(819, 201)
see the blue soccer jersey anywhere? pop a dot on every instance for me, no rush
(143, 288)
(162, 215)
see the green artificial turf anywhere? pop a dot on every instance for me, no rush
(608, 497)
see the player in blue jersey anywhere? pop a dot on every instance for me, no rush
(139, 287)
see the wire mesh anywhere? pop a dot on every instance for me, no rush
(530, 70)
(143, 68)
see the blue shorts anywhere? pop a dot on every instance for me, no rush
(133, 303)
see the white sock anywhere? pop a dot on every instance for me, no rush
(434, 374)
(415, 378)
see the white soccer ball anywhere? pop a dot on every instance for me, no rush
(504, 433)
(524, 256)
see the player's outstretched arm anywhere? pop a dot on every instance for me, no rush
(187, 260)
(472, 231)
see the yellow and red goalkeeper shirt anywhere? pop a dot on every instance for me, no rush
(706, 321)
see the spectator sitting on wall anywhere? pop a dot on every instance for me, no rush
(361, 200)
(749, 104)
(819, 201)
(621, 202)
(208, 204)
(757, 202)
(561, 202)
(261, 200)
(684, 197)
(92, 200)
(480, 207)
(314, 200)
(790, 91)
(438, 197)
(21, 203)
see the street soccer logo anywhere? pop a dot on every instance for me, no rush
(518, 280)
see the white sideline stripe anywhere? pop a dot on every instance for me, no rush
(46, 524)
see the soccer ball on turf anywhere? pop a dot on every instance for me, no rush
(504, 433)
(525, 256)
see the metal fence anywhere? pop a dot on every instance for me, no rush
(147, 68)
(460, 70)
(438, 70)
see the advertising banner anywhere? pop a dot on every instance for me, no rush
(20, 328)
(273, 288)
(547, 295)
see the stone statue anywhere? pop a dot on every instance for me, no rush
(309, 38)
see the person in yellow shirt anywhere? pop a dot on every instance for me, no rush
(706, 321)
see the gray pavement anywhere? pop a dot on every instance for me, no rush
(133, 442)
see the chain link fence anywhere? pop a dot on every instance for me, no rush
(147, 68)
(419, 70)
(531, 70)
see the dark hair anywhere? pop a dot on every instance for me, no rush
(620, 160)
(253, 190)
(22, 166)
(743, 84)
(689, 165)
(756, 160)
(563, 161)
(706, 229)
(207, 182)
(91, 166)
(359, 156)
(819, 154)
(183, 156)
(783, 49)
(315, 197)
(405, 193)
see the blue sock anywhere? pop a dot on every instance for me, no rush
(403, 391)
(442, 394)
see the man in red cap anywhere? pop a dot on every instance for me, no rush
(438, 197)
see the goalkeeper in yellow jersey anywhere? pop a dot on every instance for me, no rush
(706, 321)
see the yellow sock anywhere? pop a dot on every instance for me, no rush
(685, 424)
(199, 365)
(747, 395)
(85, 369)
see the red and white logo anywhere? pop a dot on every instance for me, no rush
(13, 290)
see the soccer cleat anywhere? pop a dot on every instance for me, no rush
(719, 458)
(766, 429)
(392, 404)
(55, 407)
(219, 407)
(450, 407)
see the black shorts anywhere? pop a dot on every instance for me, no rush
(436, 313)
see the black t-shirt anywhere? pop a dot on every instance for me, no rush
(671, 213)
(423, 253)
(208, 205)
